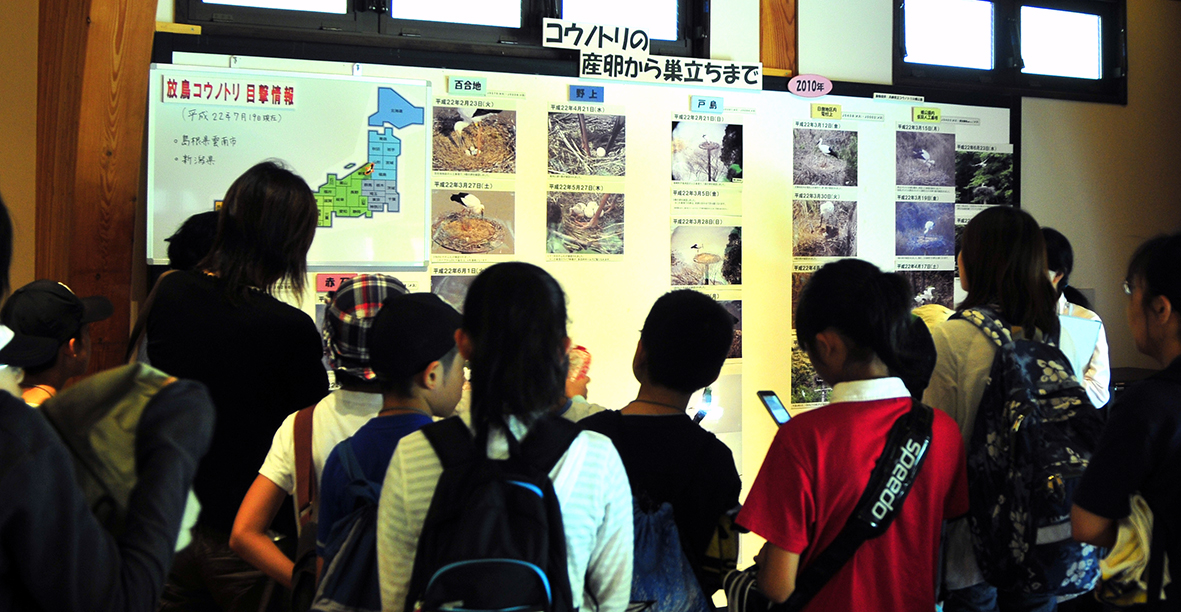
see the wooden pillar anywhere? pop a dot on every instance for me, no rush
(93, 58)
(778, 37)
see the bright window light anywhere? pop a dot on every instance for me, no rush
(501, 13)
(656, 17)
(1061, 43)
(949, 33)
(318, 6)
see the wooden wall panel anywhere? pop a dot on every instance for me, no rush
(778, 41)
(92, 92)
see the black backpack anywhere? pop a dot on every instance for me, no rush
(493, 538)
(1034, 433)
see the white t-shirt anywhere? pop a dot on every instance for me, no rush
(592, 488)
(338, 416)
(1097, 374)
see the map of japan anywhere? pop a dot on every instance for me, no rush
(371, 187)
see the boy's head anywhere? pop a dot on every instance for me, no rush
(348, 321)
(412, 350)
(685, 339)
(49, 309)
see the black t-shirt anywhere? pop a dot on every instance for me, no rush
(670, 458)
(260, 359)
(1142, 434)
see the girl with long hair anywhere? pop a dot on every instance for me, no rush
(514, 338)
(1002, 266)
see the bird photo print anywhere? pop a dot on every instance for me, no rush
(925, 158)
(472, 222)
(924, 229)
(706, 255)
(824, 157)
(587, 145)
(589, 223)
(823, 228)
(474, 140)
(931, 287)
(983, 178)
(706, 152)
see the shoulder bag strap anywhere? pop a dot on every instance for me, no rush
(906, 446)
(305, 473)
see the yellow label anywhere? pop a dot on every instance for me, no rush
(826, 111)
(920, 114)
(177, 28)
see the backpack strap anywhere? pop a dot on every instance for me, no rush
(452, 441)
(906, 448)
(305, 473)
(547, 441)
(989, 322)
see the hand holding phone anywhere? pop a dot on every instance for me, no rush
(775, 407)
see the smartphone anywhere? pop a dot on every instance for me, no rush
(775, 407)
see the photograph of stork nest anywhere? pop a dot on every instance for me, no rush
(798, 280)
(452, 289)
(823, 228)
(806, 385)
(925, 158)
(924, 228)
(474, 140)
(824, 157)
(983, 178)
(706, 152)
(706, 255)
(932, 287)
(476, 222)
(584, 223)
(587, 145)
(734, 307)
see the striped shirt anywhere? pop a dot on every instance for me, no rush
(592, 488)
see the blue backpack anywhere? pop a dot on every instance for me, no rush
(1034, 433)
(350, 582)
(662, 579)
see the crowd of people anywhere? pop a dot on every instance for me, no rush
(275, 465)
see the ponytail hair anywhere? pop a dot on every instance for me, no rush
(515, 316)
(868, 307)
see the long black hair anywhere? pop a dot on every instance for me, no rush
(868, 307)
(264, 230)
(1060, 260)
(515, 316)
(1004, 257)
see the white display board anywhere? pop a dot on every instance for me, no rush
(360, 143)
(742, 202)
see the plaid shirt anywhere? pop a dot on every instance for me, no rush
(348, 317)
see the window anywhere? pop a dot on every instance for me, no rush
(676, 27)
(1072, 49)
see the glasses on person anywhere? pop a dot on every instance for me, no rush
(1127, 288)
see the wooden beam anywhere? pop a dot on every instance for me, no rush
(92, 93)
(778, 37)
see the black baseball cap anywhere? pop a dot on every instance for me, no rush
(49, 309)
(409, 332)
(24, 351)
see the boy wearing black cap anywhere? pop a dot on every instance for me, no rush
(49, 309)
(412, 350)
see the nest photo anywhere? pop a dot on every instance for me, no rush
(824, 157)
(825, 228)
(706, 255)
(806, 385)
(474, 140)
(925, 158)
(452, 289)
(472, 222)
(706, 152)
(587, 145)
(924, 229)
(734, 307)
(585, 223)
(798, 280)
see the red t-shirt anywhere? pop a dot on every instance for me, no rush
(815, 471)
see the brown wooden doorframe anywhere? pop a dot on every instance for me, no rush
(93, 59)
